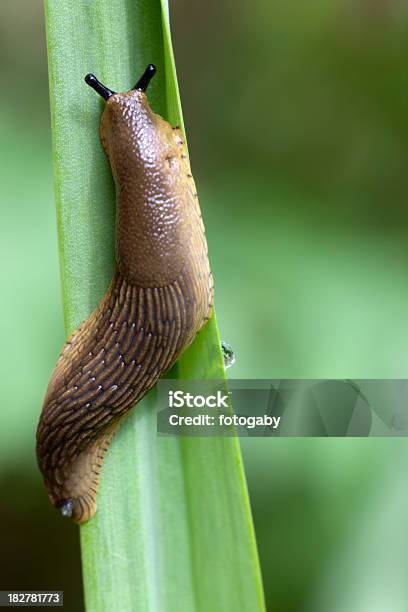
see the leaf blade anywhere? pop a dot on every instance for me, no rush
(146, 545)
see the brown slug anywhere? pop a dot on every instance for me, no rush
(160, 296)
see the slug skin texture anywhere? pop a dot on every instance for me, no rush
(160, 296)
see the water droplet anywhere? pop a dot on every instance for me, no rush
(67, 508)
(228, 354)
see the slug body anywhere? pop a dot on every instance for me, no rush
(160, 296)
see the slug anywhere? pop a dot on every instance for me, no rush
(160, 296)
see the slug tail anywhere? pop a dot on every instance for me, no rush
(112, 360)
(82, 480)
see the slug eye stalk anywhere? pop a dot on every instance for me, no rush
(103, 91)
(143, 82)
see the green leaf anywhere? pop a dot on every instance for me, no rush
(173, 530)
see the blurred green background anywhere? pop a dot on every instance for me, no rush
(297, 120)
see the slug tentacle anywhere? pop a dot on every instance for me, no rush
(160, 297)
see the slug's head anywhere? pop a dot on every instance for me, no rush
(127, 116)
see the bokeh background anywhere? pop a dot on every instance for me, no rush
(297, 121)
